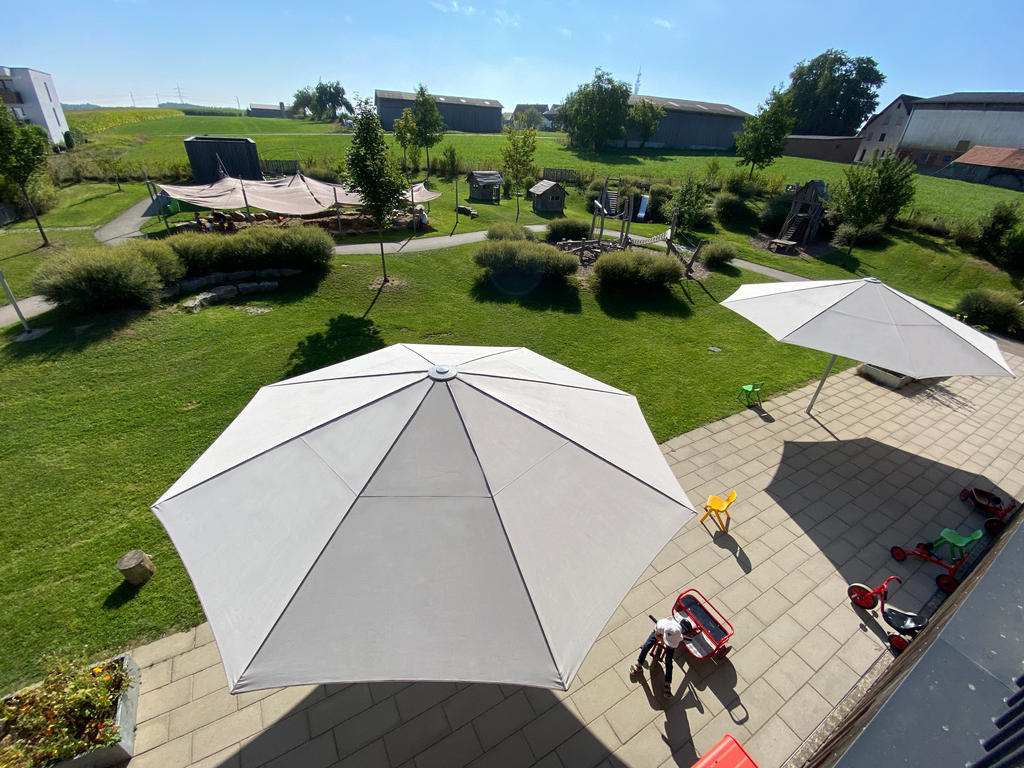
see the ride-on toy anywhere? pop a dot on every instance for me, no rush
(989, 504)
(713, 630)
(904, 623)
(926, 551)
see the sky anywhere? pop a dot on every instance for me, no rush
(116, 52)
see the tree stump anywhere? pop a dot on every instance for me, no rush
(136, 567)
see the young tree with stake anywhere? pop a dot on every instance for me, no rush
(23, 151)
(517, 156)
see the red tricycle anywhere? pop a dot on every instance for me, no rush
(712, 629)
(904, 623)
(926, 551)
(989, 504)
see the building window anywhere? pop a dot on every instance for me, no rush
(881, 137)
(883, 153)
(861, 158)
(871, 136)
(55, 117)
(947, 158)
(925, 156)
(48, 96)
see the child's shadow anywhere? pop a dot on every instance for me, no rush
(678, 735)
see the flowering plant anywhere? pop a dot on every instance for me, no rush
(70, 712)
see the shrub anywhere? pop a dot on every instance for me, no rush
(997, 310)
(522, 258)
(846, 234)
(40, 190)
(322, 173)
(568, 229)
(769, 185)
(660, 194)
(773, 214)
(713, 174)
(307, 248)
(995, 229)
(729, 207)
(1014, 251)
(717, 253)
(449, 160)
(509, 230)
(94, 279)
(637, 269)
(738, 184)
(929, 225)
(964, 233)
(159, 254)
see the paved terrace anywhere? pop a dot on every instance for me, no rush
(820, 502)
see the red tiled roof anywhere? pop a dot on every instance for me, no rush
(994, 157)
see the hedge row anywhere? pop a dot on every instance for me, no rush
(256, 248)
(637, 268)
(509, 230)
(523, 258)
(568, 229)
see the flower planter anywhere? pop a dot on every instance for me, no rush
(124, 721)
(883, 376)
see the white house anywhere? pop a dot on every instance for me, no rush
(32, 97)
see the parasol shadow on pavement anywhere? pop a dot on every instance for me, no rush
(856, 499)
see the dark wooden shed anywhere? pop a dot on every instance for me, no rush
(804, 217)
(485, 185)
(548, 197)
(214, 156)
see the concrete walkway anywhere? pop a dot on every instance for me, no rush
(127, 225)
(423, 243)
(820, 501)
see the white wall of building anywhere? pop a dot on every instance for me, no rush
(943, 129)
(40, 102)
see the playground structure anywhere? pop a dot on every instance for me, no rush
(615, 208)
(804, 218)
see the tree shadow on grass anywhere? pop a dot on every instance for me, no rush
(70, 333)
(527, 292)
(121, 594)
(627, 304)
(843, 260)
(345, 337)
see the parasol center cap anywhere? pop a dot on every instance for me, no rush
(872, 280)
(442, 372)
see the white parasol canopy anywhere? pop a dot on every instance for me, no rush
(422, 513)
(869, 321)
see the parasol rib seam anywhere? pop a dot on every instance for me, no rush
(334, 533)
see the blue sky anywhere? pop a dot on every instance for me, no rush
(110, 51)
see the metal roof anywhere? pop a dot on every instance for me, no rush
(404, 96)
(485, 178)
(685, 105)
(542, 108)
(275, 107)
(993, 157)
(974, 97)
(543, 186)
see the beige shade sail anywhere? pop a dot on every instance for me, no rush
(422, 513)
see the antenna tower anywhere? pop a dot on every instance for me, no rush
(181, 98)
(636, 86)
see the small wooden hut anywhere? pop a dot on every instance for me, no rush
(485, 185)
(548, 197)
(804, 216)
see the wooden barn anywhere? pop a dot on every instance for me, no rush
(548, 197)
(689, 125)
(485, 185)
(460, 113)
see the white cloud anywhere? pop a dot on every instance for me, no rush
(566, 32)
(440, 6)
(453, 7)
(663, 23)
(505, 19)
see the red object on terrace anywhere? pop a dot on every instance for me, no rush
(728, 753)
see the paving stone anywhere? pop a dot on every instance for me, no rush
(499, 722)
(804, 710)
(766, 575)
(753, 659)
(769, 606)
(164, 648)
(369, 725)
(552, 728)
(373, 755)
(543, 699)
(760, 702)
(247, 698)
(172, 696)
(412, 737)
(204, 634)
(339, 707)
(834, 680)
(513, 752)
(603, 655)
(627, 717)
(156, 676)
(191, 662)
(810, 611)
(382, 691)
(715, 729)
(288, 701)
(173, 754)
(589, 746)
(647, 748)
(420, 697)
(283, 735)
(773, 743)
(226, 758)
(471, 702)
(641, 598)
(816, 649)
(595, 697)
(226, 731)
(208, 680)
(151, 734)
(318, 753)
(457, 750)
(788, 674)
(671, 580)
(199, 712)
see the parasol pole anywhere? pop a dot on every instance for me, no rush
(822, 382)
(337, 209)
(245, 198)
(10, 298)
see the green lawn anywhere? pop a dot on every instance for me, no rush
(101, 420)
(22, 252)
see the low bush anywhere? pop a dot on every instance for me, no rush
(40, 190)
(160, 255)
(509, 230)
(717, 253)
(996, 310)
(306, 248)
(660, 195)
(730, 207)
(738, 184)
(98, 279)
(964, 233)
(522, 258)
(774, 212)
(929, 225)
(847, 234)
(568, 229)
(637, 269)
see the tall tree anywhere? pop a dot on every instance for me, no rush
(517, 157)
(763, 135)
(688, 203)
(894, 185)
(833, 93)
(595, 112)
(429, 125)
(646, 116)
(373, 174)
(302, 101)
(531, 118)
(23, 151)
(405, 132)
(328, 98)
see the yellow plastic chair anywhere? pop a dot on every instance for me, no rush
(717, 507)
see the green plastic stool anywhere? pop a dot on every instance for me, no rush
(749, 391)
(957, 544)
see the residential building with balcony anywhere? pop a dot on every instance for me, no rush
(32, 97)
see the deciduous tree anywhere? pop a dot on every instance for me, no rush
(531, 118)
(302, 101)
(833, 93)
(688, 203)
(328, 98)
(373, 174)
(763, 135)
(646, 116)
(517, 157)
(405, 132)
(429, 125)
(595, 112)
(23, 151)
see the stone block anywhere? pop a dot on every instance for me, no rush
(173, 754)
(499, 722)
(223, 292)
(287, 701)
(471, 702)
(275, 740)
(289, 272)
(229, 730)
(552, 728)
(513, 752)
(369, 725)
(589, 746)
(241, 275)
(318, 753)
(197, 302)
(598, 695)
(420, 697)
(247, 288)
(195, 660)
(339, 707)
(200, 712)
(268, 285)
(164, 699)
(164, 648)
(409, 739)
(454, 751)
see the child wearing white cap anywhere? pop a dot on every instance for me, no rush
(670, 633)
